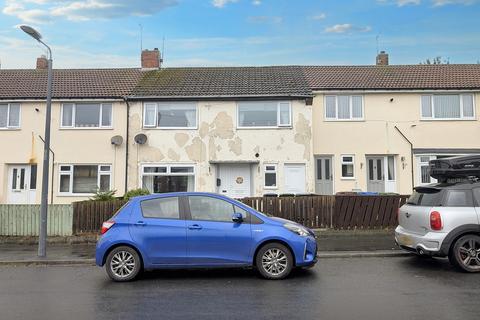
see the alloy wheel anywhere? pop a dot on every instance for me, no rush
(469, 253)
(122, 264)
(274, 261)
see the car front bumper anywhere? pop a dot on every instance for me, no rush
(428, 244)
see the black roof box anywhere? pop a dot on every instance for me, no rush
(462, 167)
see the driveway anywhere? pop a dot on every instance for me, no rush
(350, 288)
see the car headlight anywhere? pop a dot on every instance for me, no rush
(301, 231)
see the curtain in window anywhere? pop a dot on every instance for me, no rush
(426, 106)
(87, 115)
(14, 116)
(330, 109)
(447, 106)
(147, 183)
(284, 113)
(343, 107)
(357, 107)
(3, 115)
(467, 100)
(67, 115)
(391, 168)
(106, 115)
(191, 116)
(150, 110)
(85, 179)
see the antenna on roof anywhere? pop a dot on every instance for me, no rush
(141, 36)
(162, 54)
(377, 40)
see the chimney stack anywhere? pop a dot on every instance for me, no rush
(42, 63)
(151, 59)
(382, 59)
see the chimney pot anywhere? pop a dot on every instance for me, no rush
(42, 63)
(382, 59)
(151, 59)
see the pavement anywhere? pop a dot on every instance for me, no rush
(332, 244)
(337, 288)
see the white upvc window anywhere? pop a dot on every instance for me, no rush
(161, 178)
(86, 115)
(270, 176)
(84, 179)
(170, 115)
(448, 107)
(264, 114)
(348, 166)
(344, 108)
(9, 115)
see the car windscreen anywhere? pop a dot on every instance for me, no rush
(426, 197)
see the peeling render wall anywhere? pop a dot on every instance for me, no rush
(217, 139)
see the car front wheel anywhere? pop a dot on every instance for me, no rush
(465, 253)
(123, 264)
(274, 261)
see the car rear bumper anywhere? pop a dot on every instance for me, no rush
(427, 244)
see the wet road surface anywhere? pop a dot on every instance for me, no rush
(351, 288)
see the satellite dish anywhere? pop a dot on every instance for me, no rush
(140, 138)
(116, 140)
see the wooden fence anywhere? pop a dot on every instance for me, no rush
(336, 212)
(23, 219)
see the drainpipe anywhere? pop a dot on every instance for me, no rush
(53, 167)
(411, 154)
(126, 143)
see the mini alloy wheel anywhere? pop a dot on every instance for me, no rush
(123, 264)
(466, 253)
(274, 261)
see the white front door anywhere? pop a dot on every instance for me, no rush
(234, 180)
(19, 180)
(295, 178)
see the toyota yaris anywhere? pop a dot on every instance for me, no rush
(200, 230)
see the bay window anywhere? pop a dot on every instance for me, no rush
(168, 178)
(84, 179)
(264, 114)
(170, 115)
(344, 108)
(447, 107)
(10, 116)
(86, 115)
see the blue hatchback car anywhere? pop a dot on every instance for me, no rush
(200, 230)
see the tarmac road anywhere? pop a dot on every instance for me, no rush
(349, 288)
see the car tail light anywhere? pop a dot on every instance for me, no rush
(435, 220)
(106, 226)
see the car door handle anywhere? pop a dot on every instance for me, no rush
(140, 223)
(195, 227)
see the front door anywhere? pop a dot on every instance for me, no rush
(234, 180)
(375, 174)
(212, 237)
(324, 175)
(295, 178)
(21, 184)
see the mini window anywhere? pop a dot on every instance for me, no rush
(271, 176)
(348, 168)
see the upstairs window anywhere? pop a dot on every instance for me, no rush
(344, 108)
(264, 114)
(10, 116)
(170, 115)
(86, 115)
(448, 107)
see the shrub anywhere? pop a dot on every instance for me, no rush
(104, 195)
(135, 193)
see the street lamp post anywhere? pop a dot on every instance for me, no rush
(42, 241)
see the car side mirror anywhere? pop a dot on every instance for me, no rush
(237, 217)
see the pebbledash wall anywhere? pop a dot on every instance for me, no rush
(217, 140)
(71, 146)
(375, 135)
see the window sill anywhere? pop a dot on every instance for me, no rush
(265, 128)
(170, 128)
(10, 129)
(449, 119)
(347, 178)
(75, 194)
(344, 120)
(270, 188)
(86, 128)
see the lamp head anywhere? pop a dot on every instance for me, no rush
(31, 32)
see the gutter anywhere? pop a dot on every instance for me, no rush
(221, 97)
(411, 154)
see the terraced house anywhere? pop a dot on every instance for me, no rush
(239, 131)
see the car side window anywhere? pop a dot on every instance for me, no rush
(476, 195)
(210, 209)
(459, 198)
(161, 208)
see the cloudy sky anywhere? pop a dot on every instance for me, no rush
(106, 33)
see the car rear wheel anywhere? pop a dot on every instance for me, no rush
(123, 264)
(465, 253)
(274, 261)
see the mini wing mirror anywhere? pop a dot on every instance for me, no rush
(237, 217)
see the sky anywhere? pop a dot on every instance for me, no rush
(111, 33)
